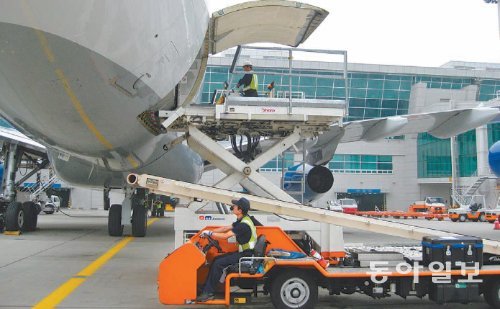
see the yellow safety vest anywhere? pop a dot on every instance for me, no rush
(253, 239)
(254, 84)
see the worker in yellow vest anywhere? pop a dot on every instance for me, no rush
(250, 81)
(246, 236)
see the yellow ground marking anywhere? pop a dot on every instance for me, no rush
(151, 221)
(64, 290)
(12, 233)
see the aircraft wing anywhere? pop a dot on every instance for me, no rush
(439, 124)
(13, 136)
(275, 21)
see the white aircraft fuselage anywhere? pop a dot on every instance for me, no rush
(74, 76)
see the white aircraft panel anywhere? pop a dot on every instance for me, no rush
(276, 21)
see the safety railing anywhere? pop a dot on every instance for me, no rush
(284, 66)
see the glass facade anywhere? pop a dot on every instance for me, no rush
(361, 164)
(493, 133)
(434, 155)
(373, 95)
(276, 164)
(342, 163)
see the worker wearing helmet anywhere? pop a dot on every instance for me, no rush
(246, 236)
(250, 82)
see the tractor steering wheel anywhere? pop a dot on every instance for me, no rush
(212, 243)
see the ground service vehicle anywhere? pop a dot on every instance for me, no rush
(349, 205)
(51, 205)
(334, 206)
(492, 214)
(294, 283)
(345, 205)
(432, 205)
(451, 270)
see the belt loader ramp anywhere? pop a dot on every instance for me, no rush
(294, 283)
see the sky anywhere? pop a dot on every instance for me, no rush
(405, 32)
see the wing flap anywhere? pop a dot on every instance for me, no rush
(439, 124)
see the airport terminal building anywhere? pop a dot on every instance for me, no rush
(394, 172)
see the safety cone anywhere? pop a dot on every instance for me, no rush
(497, 225)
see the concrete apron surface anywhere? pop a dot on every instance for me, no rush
(71, 262)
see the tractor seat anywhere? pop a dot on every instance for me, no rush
(251, 266)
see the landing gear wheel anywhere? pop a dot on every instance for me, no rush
(115, 227)
(294, 289)
(14, 217)
(30, 216)
(139, 221)
(492, 293)
(462, 218)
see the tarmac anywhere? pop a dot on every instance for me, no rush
(71, 262)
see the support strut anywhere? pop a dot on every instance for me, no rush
(239, 172)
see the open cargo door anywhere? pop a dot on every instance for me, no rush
(273, 21)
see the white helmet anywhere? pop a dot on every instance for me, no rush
(247, 62)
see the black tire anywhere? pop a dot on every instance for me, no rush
(30, 216)
(38, 208)
(294, 289)
(115, 227)
(454, 220)
(2, 222)
(139, 221)
(14, 217)
(491, 293)
(462, 218)
(106, 200)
